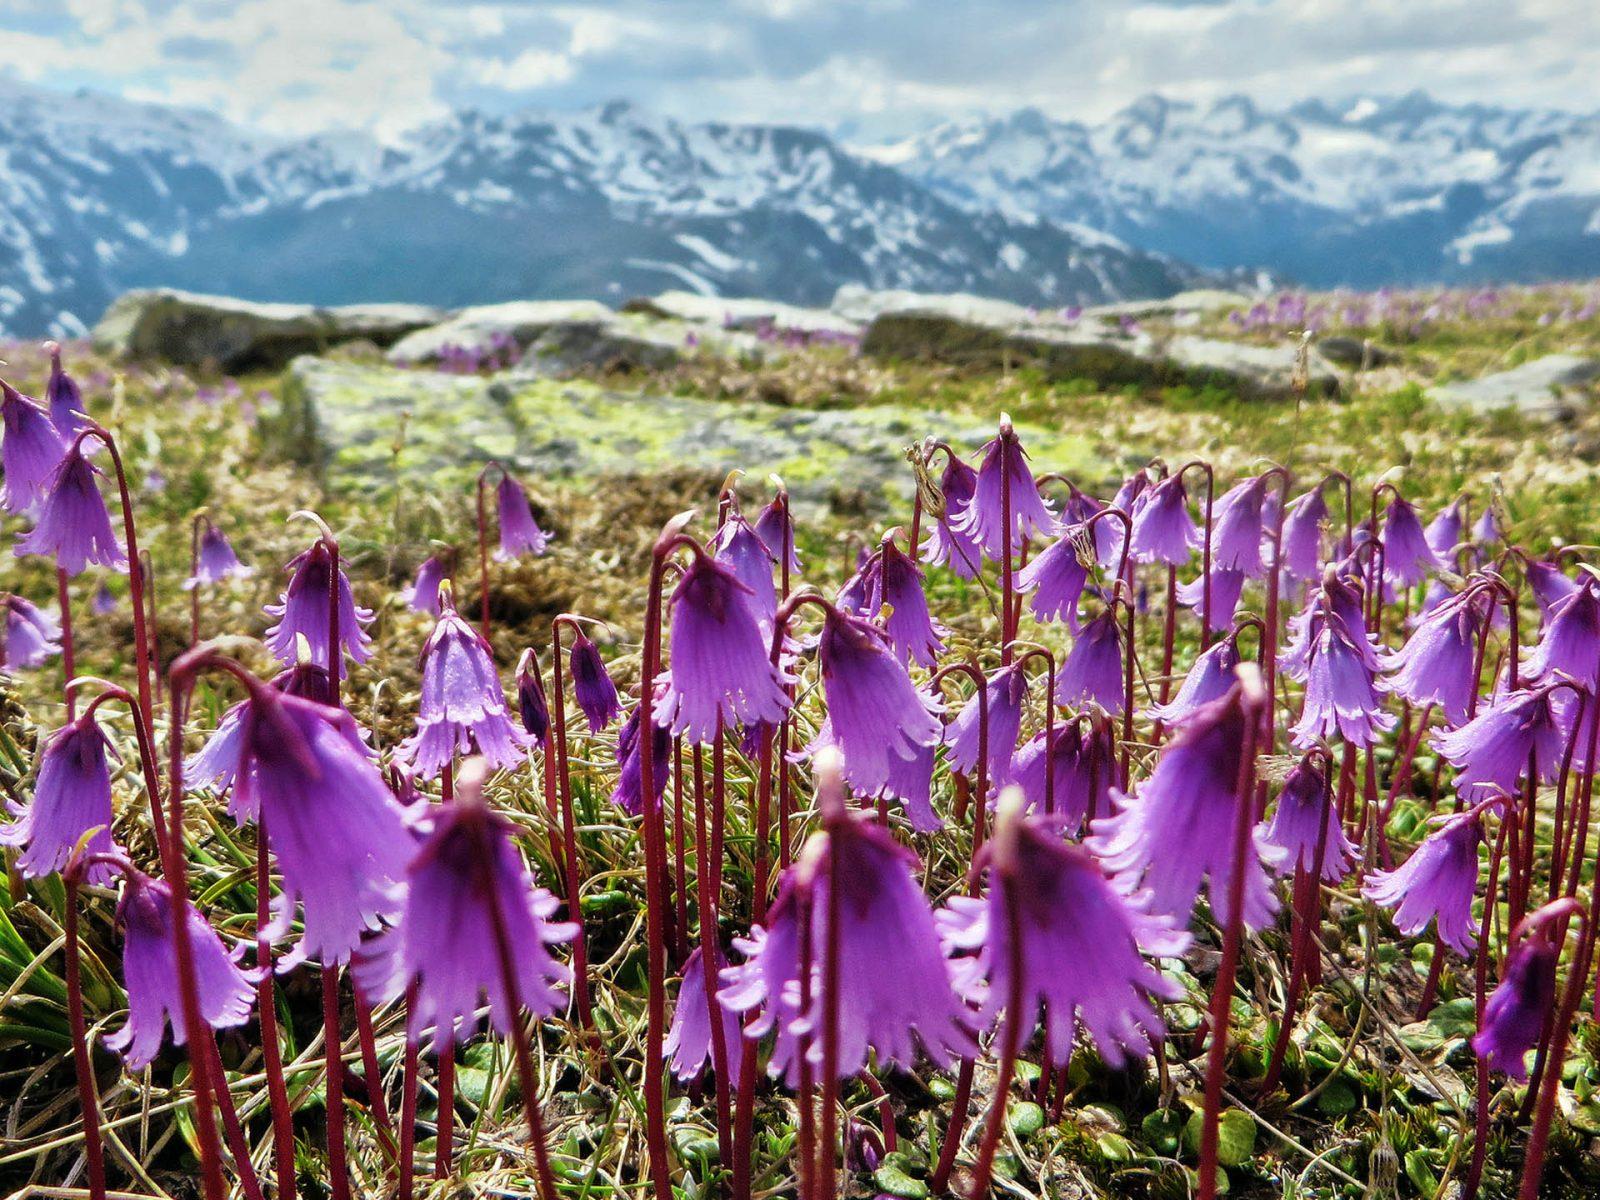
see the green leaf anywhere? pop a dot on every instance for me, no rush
(891, 1180)
(1337, 1099)
(1026, 1119)
(1236, 1135)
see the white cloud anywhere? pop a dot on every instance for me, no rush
(529, 70)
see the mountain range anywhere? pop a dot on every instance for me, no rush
(100, 194)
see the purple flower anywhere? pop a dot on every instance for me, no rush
(1058, 575)
(896, 584)
(1006, 690)
(104, 602)
(1569, 644)
(1176, 830)
(1492, 750)
(74, 525)
(1005, 465)
(1227, 585)
(628, 795)
(519, 533)
(32, 635)
(591, 685)
(894, 981)
(67, 411)
(1080, 952)
(1438, 664)
(1487, 531)
(1516, 1011)
(1302, 535)
(467, 878)
(1083, 769)
(532, 707)
(335, 828)
(775, 527)
(688, 1045)
(302, 609)
(1436, 883)
(1092, 671)
(1164, 531)
(1343, 695)
(1108, 535)
(423, 593)
(1408, 559)
(739, 548)
(150, 973)
(721, 673)
(1304, 811)
(948, 542)
(31, 448)
(71, 797)
(1548, 585)
(1236, 528)
(1213, 673)
(216, 561)
(878, 718)
(1336, 594)
(463, 706)
(1444, 531)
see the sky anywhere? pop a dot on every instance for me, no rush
(870, 70)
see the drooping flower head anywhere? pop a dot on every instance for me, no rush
(1343, 694)
(463, 707)
(738, 547)
(519, 532)
(1093, 668)
(1486, 532)
(1082, 944)
(30, 449)
(62, 394)
(1004, 477)
(302, 611)
(150, 973)
(688, 1046)
(1445, 530)
(1003, 697)
(1058, 575)
(628, 795)
(335, 829)
(1082, 768)
(71, 796)
(1338, 594)
(1438, 664)
(1164, 531)
(1109, 536)
(467, 888)
(1227, 585)
(1436, 883)
(216, 562)
(721, 672)
(422, 594)
(1237, 526)
(1408, 559)
(1548, 584)
(949, 544)
(1569, 644)
(877, 716)
(1302, 534)
(1304, 815)
(1514, 1016)
(897, 597)
(532, 707)
(592, 688)
(74, 526)
(1176, 831)
(775, 527)
(32, 635)
(895, 991)
(1492, 750)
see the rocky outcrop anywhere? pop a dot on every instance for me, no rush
(189, 329)
(493, 328)
(1550, 388)
(632, 341)
(747, 315)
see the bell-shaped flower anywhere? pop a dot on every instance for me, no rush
(738, 547)
(1081, 771)
(72, 795)
(1177, 829)
(1343, 695)
(32, 635)
(775, 527)
(463, 707)
(1214, 672)
(1439, 664)
(1164, 531)
(1092, 670)
(1569, 644)
(74, 526)
(1444, 531)
(1237, 527)
(338, 834)
(1305, 816)
(896, 594)
(150, 973)
(422, 593)
(949, 544)
(1110, 534)
(628, 795)
(1081, 951)
(1548, 584)
(1338, 595)
(216, 562)
(688, 1047)
(1227, 585)
(1436, 883)
(519, 532)
(302, 611)
(1058, 575)
(1003, 696)
(1492, 750)
(592, 688)
(532, 707)
(878, 717)
(1005, 489)
(64, 398)
(30, 448)
(1302, 535)
(1486, 532)
(895, 990)
(1408, 559)
(721, 673)
(468, 887)
(1515, 1014)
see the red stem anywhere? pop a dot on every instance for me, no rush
(88, 1097)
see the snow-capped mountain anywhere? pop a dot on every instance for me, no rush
(1366, 192)
(100, 195)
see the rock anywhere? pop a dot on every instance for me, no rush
(344, 418)
(1548, 388)
(1198, 301)
(622, 341)
(189, 329)
(488, 328)
(864, 306)
(1358, 354)
(1254, 372)
(754, 316)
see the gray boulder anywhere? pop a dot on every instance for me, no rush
(190, 329)
(752, 316)
(1198, 302)
(1550, 388)
(619, 342)
(487, 327)
(1357, 354)
(865, 305)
